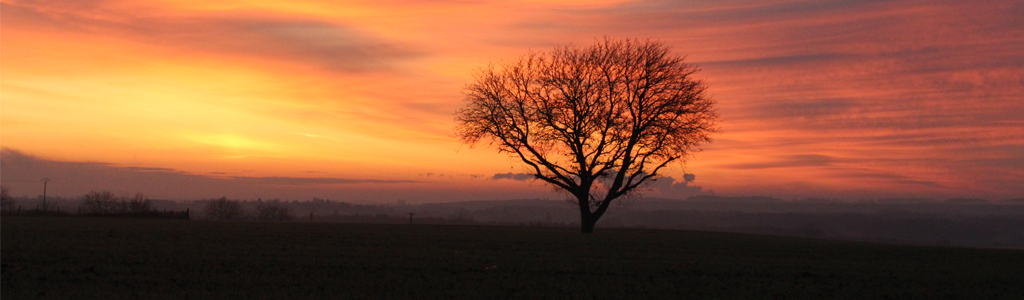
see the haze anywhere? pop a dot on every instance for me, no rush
(355, 101)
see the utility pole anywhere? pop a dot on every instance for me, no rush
(45, 180)
(410, 217)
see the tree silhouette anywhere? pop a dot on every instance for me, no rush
(102, 202)
(597, 122)
(106, 203)
(223, 209)
(6, 201)
(139, 204)
(272, 210)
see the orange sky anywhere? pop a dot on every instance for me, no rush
(355, 101)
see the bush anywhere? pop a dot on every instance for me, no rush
(223, 209)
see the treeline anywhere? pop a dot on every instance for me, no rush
(959, 223)
(227, 209)
(106, 204)
(93, 204)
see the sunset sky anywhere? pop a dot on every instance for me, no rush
(355, 100)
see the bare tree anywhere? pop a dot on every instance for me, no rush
(223, 209)
(139, 204)
(6, 201)
(273, 211)
(102, 202)
(597, 122)
(106, 203)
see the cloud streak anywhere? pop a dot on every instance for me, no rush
(261, 35)
(22, 172)
(514, 176)
(787, 161)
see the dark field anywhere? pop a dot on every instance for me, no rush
(92, 258)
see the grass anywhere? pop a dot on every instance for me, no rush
(94, 258)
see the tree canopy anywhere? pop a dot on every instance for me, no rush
(596, 121)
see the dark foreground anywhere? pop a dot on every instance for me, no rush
(90, 258)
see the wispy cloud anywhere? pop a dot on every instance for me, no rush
(514, 176)
(309, 181)
(263, 35)
(787, 161)
(22, 172)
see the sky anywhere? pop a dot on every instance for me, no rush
(355, 100)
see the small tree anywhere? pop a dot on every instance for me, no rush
(102, 202)
(6, 201)
(139, 204)
(597, 122)
(223, 209)
(273, 211)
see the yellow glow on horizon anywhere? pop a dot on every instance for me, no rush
(233, 142)
(124, 100)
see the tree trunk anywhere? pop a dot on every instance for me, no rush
(587, 219)
(587, 223)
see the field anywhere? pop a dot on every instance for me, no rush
(94, 258)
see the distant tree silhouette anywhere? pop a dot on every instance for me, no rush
(102, 202)
(597, 122)
(223, 209)
(139, 204)
(106, 203)
(273, 211)
(6, 201)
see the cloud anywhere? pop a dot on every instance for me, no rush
(514, 176)
(788, 60)
(836, 65)
(887, 177)
(669, 187)
(265, 35)
(144, 169)
(787, 161)
(22, 173)
(309, 181)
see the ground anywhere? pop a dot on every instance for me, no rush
(95, 258)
